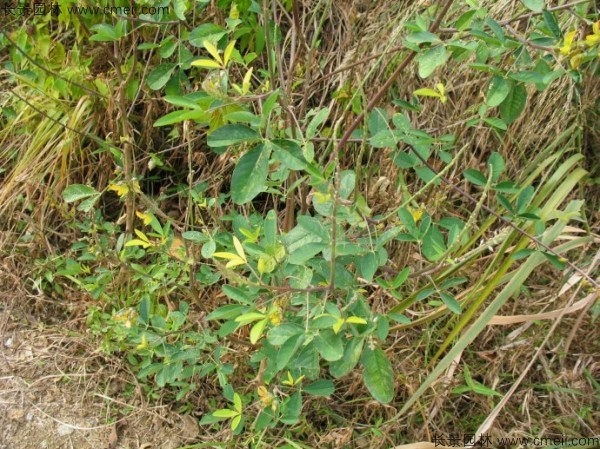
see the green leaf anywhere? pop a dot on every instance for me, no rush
(194, 236)
(377, 374)
(235, 422)
(292, 408)
(521, 254)
(257, 331)
(180, 7)
(433, 244)
(464, 21)
(352, 353)
(552, 24)
(288, 350)
(377, 120)
(87, 204)
(180, 116)
(329, 345)
(107, 33)
(475, 176)
(232, 135)
(534, 5)
(347, 183)
(226, 312)
(421, 37)
(179, 100)
(277, 336)
(496, 164)
(225, 413)
(513, 104)
(451, 302)
(431, 59)
(160, 75)
(250, 174)
(401, 278)
(528, 76)
(495, 123)
(320, 388)
(498, 90)
(317, 120)
(237, 294)
(368, 264)
(208, 31)
(270, 228)
(289, 153)
(76, 192)
(249, 317)
(237, 403)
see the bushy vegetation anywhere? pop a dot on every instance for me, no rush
(261, 203)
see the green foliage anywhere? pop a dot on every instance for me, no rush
(299, 294)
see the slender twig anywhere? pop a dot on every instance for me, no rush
(524, 41)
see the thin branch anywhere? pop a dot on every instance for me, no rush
(524, 41)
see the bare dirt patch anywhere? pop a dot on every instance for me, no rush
(57, 391)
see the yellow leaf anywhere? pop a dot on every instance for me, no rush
(239, 248)
(441, 89)
(246, 82)
(143, 344)
(356, 320)
(121, 189)
(234, 12)
(177, 250)
(237, 88)
(127, 314)
(257, 331)
(228, 52)
(338, 325)
(146, 218)
(592, 39)
(322, 198)
(417, 214)
(275, 316)
(576, 61)
(266, 398)
(568, 43)
(251, 237)
(249, 317)
(234, 259)
(213, 51)
(206, 63)
(266, 264)
(237, 403)
(141, 235)
(136, 186)
(138, 242)
(426, 92)
(236, 422)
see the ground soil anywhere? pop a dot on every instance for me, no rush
(58, 392)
